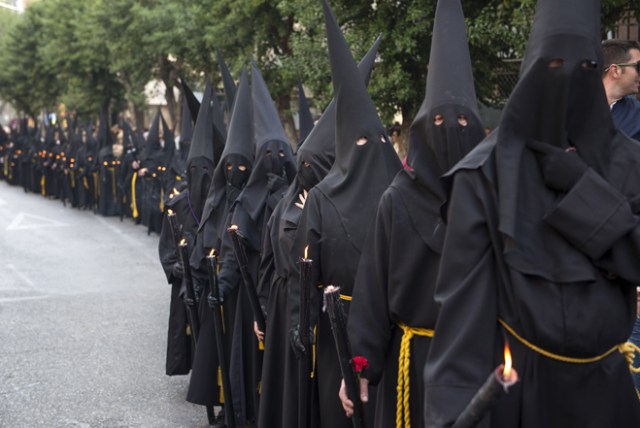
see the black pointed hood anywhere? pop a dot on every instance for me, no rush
(228, 83)
(218, 122)
(190, 100)
(447, 126)
(202, 141)
(266, 121)
(361, 172)
(450, 100)
(319, 148)
(169, 143)
(239, 146)
(305, 119)
(153, 137)
(186, 127)
(104, 133)
(559, 100)
(272, 149)
(200, 161)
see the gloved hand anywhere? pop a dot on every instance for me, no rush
(275, 182)
(224, 290)
(213, 300)
(561, 169)
(296, 341)
(177, 271)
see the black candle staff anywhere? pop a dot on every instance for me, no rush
(183, 252)
(338, 326)
(498, 383)
(214, 304)
(304, 364)
(250, 287)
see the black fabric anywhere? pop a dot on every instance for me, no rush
(238, 150)
(359, 174)
(339, 210)
(397, 273)
(179, 355)
(192, 105)
(503, 259)
(230, 88)
(305, 120)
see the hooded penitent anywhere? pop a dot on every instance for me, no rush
(399, 264)
(273, 153)
(365, 160)
(233, 170)
(447, 126)
(524, 261)
(317, 152)
(200, 162)
(559, 100)
(278, 282)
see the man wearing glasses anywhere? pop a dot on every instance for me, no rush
(621, 81)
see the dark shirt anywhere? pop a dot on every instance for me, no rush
(626, 116)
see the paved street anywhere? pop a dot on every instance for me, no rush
(83, 316)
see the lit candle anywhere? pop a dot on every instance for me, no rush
(498, 383)
(304, 365)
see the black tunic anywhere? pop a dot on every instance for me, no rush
(178, 340)
(335, 259)
(278, 275)
(584, 314)
(395, 284)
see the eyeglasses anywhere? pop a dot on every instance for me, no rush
(636, 65)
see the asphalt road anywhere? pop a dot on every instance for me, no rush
(83, 320)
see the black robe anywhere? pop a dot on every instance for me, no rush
(108, 201)
(335, 260)
(179, 352)
(205, 384)
(278, 275)
(394, 285)
(594, 233)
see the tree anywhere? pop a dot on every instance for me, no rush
(26, 80)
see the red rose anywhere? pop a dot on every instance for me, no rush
(360, 363)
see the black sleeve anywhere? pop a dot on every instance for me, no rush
(599, 220)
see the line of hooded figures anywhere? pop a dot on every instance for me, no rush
(489, 282)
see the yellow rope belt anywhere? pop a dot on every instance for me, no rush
(73, 179)
(134, 206)
(96, 185)
(43, 183)
(627, 349)
(221, 389)
(113, 185)
(161, 199)
(403, 411)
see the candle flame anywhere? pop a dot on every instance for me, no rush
(183, 241)
(306, 252)
(233, 227)
(212, 253)
(506, 373)
(170, 211)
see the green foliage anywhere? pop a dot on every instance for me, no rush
(95, 53)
